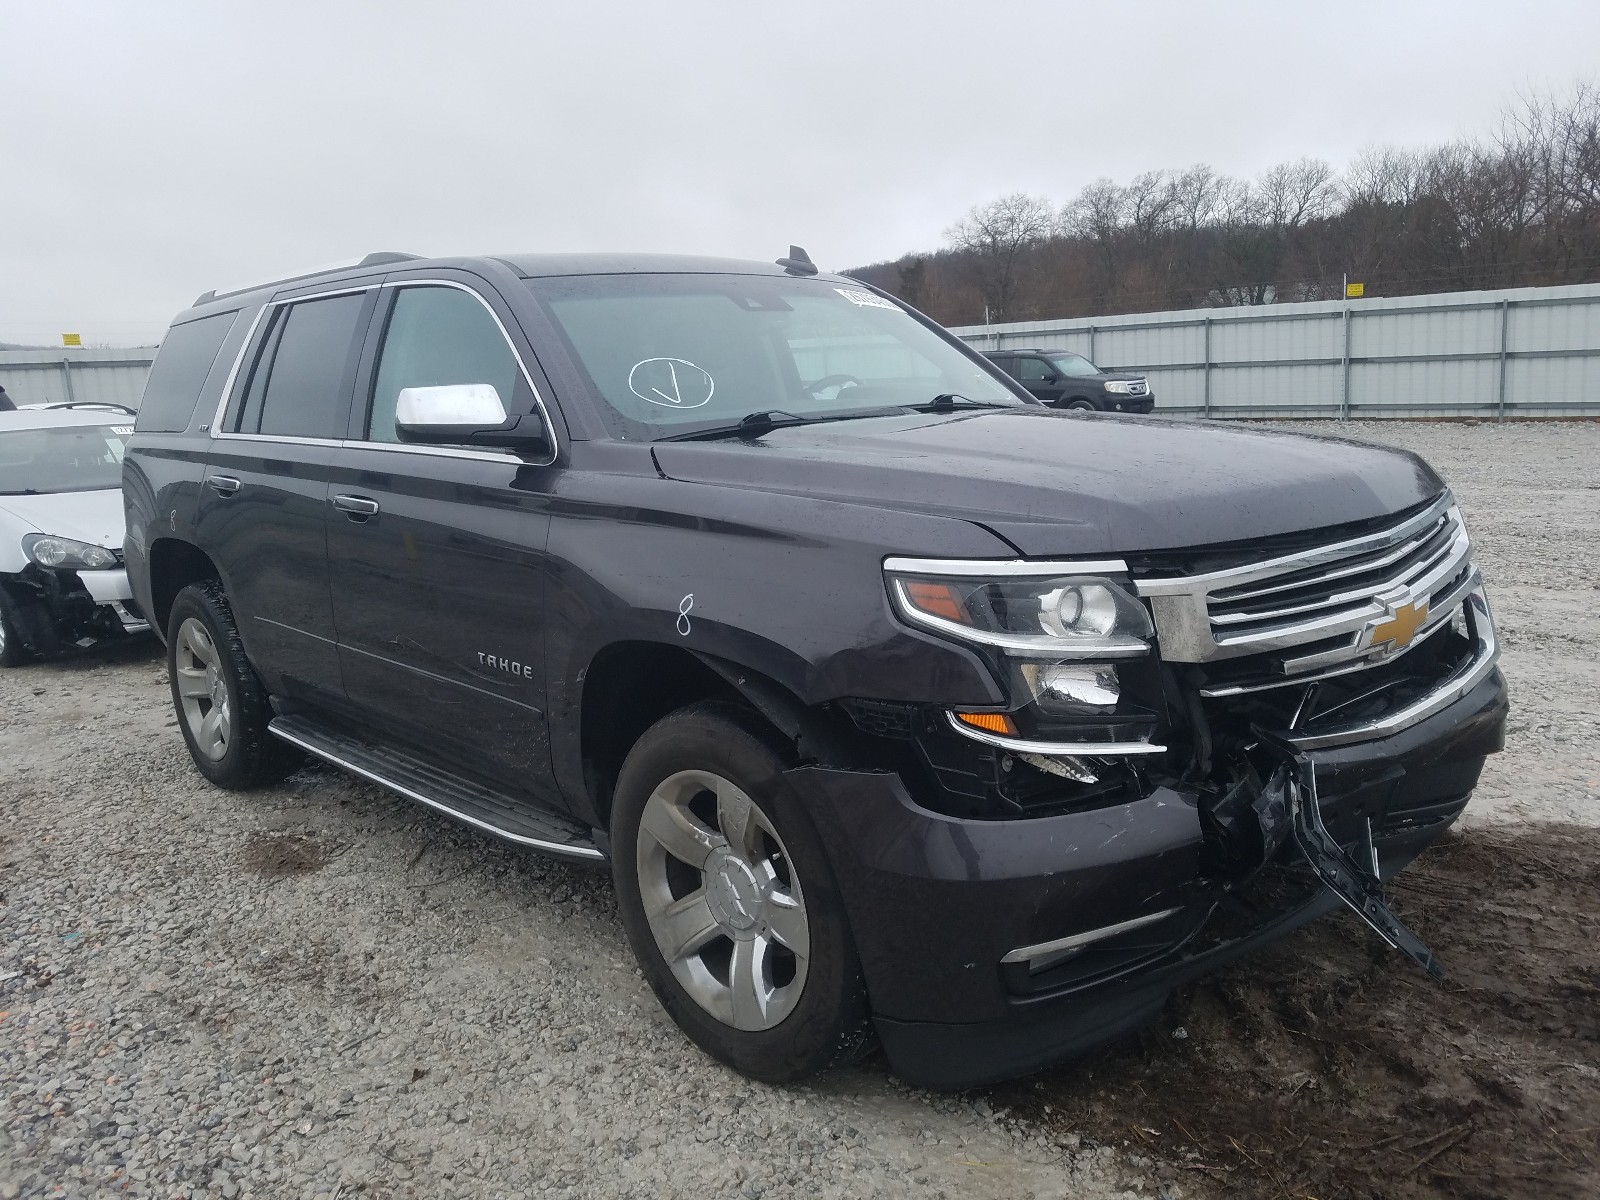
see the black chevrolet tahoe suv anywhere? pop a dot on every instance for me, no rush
(1062, 379)
(902, 708)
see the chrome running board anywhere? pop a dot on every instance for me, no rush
(476, 805)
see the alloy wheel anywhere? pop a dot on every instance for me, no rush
(722, 900)
(202, 691)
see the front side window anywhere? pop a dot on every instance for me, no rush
(669, 354)
(438, 336)
(297, 386)
(1074, 366)
(1035, 370)
(71, 458)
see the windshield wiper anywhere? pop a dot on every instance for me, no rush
(757, 423)
(24, 492)
(946, 401)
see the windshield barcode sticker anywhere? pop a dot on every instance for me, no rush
(122, 430)
(864, 299)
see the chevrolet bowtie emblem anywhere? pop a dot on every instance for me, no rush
(1400, 627)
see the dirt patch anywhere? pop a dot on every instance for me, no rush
(1327, 1067)
(280, 855)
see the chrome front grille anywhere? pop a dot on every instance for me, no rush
(1328, 610)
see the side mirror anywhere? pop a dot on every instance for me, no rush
(463, 414)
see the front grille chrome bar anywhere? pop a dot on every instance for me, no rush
(1450, 689)
(1332, 599)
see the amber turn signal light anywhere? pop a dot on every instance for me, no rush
(989, 722)
(936, 599)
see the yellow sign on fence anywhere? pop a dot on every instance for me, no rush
(1354, 291)
(72, 339)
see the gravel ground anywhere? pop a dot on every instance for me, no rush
(321, 990)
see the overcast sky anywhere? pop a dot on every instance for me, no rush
(149, 151)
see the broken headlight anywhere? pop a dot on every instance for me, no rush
(67, 554)
(1061, 616)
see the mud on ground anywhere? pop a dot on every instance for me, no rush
(1329, 1067)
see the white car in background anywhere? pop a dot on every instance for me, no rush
(61, 577)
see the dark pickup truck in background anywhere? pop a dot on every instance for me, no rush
(901, 706)
(1062, 379)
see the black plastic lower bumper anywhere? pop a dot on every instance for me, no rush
(937, 902)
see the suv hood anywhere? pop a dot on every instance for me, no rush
(1055, 484)
(94, 517)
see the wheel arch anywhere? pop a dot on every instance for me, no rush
(174, 565)
(630, 685)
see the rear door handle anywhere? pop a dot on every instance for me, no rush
(225, 484)
(357, 508)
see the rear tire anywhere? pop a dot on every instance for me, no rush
(222, 707)
(12, 652)
(713, 854)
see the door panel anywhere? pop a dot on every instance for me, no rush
(438, 555)
(439, 603)
(264, 500)
(269, 539)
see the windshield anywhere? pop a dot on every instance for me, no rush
(669, 354)
(71, 458)
(1074, 365)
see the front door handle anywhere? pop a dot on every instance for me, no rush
(227, 485)
(357, 508)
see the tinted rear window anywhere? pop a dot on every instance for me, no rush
(182, 364)
(306, 380)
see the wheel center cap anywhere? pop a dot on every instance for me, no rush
(733, 893)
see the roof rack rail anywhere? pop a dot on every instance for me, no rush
(378, 258)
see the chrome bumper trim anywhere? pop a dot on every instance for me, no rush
(1447, 693)
(1068, 749)
(1061, 947)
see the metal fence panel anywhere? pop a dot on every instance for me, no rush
(51, 376)
(1516, 352)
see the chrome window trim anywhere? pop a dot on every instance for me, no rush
(499, 456)
(1077, 941)
(1007, 568)
(233, 372)
(1070, 749)
(441, 451)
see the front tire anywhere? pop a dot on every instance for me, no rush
(221, 704)
(12, 652)
(729, 901)
(1083, 406)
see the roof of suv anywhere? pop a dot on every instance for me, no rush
(527, 266)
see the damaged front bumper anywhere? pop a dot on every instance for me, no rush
(992, 948)
(57, 609)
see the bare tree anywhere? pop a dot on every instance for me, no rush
(1520, 206)
(1290, 194)
(997, 235)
